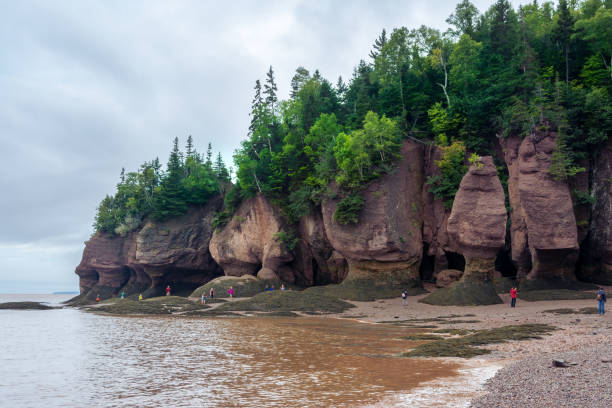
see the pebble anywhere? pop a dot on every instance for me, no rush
(534, 383)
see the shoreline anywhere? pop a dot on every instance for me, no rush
(478, 377)
(576, 332)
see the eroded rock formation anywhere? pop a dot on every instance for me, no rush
(477, 226)
(597, 249)
(385, 248)
(174, 252)
(249, 244)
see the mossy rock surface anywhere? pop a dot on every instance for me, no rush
(367, 290)
(287, 301)
(528, 285)
(25, 306)
(162, 305)
(89, 297)
(560, 294)
(244, 286)
(584, 310)
(503, 284)
(467, 346)
(464, 293)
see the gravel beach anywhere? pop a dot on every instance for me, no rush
(534, 382)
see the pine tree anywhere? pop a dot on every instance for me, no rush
(209, 154)
(379, 43)
(189, 147)
(270, 90)
(562, 32)
(220, 169)
(256, 106)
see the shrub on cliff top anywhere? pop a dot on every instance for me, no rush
(347, 210)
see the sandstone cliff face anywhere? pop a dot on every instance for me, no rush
(435, 216)
(544, 232)
(548, 209)
(386, 246)
(174, 252)
(103, 265)
(597, 251)
(316, 257)
(518, 228)
(247, 244)
(477, 226)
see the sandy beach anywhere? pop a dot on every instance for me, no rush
(584, 339)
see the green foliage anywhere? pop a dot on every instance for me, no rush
(366, 153)
(584, 198)
(452, 169)
(287, 238)
(150, 192)
(347, 210)
(475, 160)
(561, 166)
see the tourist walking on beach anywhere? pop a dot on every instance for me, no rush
(122, 294)
(98, 298)
(230, 291)
(140, 297)
(601, 301)
(513, 296)
(168, 290)
(404, 296)
(203, 298)
(211, 293)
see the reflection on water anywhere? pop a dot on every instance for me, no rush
(69, 358)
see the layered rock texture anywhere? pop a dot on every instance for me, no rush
(174, 252)
(544, 233)
(477, 226)
(597, 249)
(559, 230)
(386, 246)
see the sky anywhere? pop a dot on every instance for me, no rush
(88, 87)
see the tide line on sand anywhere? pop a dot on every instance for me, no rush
(456, 391)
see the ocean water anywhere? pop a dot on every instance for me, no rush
(69, 358)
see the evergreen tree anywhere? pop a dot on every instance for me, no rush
(209, 154)
(270, 90)
(189, 151)
(379, 43)
(562, 32)
(299, 79)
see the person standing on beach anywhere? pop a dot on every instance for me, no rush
(513, 297)
(230, 291)
(404, 296)
(203, 298)
(140, 297)
(122, 294)
(168, 290)
(601, 301)
(211, 293)
(98, 298)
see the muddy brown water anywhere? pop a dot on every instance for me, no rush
(69, 358)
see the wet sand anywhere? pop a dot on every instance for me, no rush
(577, 332)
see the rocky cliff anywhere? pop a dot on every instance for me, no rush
(403, 235)
(477, 226)
(173, 252)
(386, 246)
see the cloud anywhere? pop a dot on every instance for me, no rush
(89, 87)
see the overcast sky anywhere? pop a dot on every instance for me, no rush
(89, 87)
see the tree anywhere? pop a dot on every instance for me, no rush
(299, 79)
(270, 90)
(379, 43)
(220, 169)
(209, 154)
(463, 19)
(562, 32)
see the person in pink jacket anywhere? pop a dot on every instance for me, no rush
(230, 292)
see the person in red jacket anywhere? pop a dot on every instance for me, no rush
(513, 297)
(168, 290)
